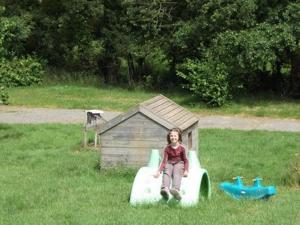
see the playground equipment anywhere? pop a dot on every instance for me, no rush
(146, 188)
(238, 191)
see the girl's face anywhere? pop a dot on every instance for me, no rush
(174, 137)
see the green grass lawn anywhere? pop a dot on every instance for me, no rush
(47, 178)
(120, 99)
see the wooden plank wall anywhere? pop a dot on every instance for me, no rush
(130, 142)
(194, 130)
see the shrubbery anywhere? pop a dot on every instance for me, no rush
(206, 80)
(18, 72)
(3, 95)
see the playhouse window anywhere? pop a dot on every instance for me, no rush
(190, 140)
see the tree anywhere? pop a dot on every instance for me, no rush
(253, 41)
(291, 16)
(16, 69)
(68, 33)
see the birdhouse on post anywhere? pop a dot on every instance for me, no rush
(93, 123)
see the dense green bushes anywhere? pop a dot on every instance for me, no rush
(16, 69)
(20, 72)
(207, 80)
(3, 95)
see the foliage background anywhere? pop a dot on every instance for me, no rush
(237, 47)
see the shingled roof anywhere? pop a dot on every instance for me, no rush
(160, 109)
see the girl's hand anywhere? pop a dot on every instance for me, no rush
(156, 175)
(186, 173)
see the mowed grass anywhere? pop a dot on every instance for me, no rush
(77, 97)
(111, 98)
(46, 177)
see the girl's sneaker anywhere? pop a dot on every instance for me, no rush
(165, 193)
(175, 194)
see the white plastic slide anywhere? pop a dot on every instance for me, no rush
(146, 188)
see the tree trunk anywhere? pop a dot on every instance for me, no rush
(131, 70)
(110, 69)
(277, 79)
(295, 74)
(140, 69)
(173, 65)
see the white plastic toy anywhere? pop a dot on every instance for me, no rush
(146, 188)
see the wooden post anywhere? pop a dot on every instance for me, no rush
(95, 138)
(84, 136)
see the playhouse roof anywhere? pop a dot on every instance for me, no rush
(160, 109)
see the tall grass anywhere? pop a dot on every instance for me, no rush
(292, 176)
(46, 177)
(87, 96)
(54, 76)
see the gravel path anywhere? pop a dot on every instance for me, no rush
(13, 114)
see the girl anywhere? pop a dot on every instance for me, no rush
(174, 165)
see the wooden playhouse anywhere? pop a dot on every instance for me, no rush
(128, 138)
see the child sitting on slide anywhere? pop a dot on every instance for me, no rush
(174, 165)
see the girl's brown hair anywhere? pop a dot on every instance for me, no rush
(179, 135)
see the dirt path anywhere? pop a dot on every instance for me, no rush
(13, 114)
